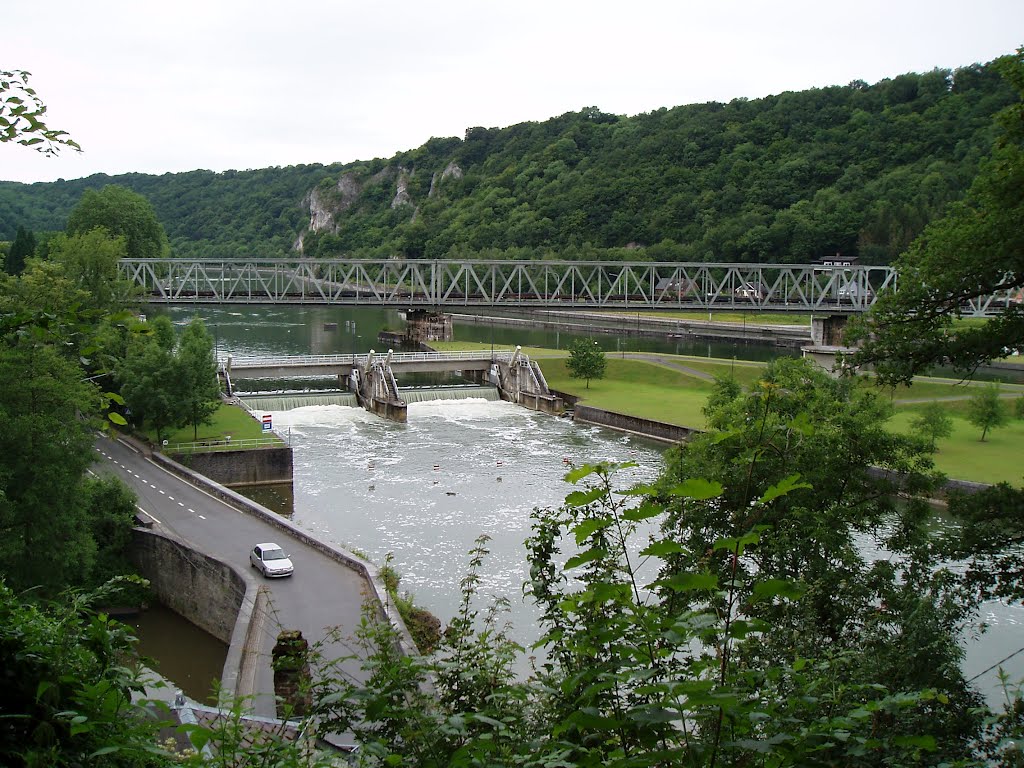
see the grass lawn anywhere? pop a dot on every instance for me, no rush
(651, 391)
(473, 346)
(963, 456)
(228, 420)
(637, 388)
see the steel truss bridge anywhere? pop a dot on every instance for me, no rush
(521, 284)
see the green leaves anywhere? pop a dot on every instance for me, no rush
(697, 490)
(781, 489)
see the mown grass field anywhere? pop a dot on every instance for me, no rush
(962, 456)
(228, 420)
(652, 391)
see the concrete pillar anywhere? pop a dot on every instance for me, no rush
(422, 326)
(827, 348)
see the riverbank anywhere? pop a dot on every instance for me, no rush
(672, 390)
(791, 336)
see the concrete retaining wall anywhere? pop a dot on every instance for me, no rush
(622, 324)
(201, 589)
(367, 570)
(657, 430)
(248, 467)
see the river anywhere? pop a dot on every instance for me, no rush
(424, 491)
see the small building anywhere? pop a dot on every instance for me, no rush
(837, 261)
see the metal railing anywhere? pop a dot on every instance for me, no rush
(208, 446)
(329, 360)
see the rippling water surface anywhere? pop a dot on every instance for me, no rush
(425, 490)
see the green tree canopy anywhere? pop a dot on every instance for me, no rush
(976, 249)
(90, 261)
(122, 213)
(586, 361)
(23, 247)
(986, 410)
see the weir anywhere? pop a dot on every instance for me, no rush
(372, 381)
(286, 401)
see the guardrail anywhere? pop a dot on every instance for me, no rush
(209, 446)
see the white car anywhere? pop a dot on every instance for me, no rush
(271, 560)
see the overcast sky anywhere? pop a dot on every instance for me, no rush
(175, 86)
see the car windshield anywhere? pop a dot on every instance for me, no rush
(274, 554)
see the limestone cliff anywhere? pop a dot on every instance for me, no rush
(328, 203)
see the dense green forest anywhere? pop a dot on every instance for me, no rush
(859, 169)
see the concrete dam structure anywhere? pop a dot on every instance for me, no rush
(372, 377)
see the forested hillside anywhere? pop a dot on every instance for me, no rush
(858, 169)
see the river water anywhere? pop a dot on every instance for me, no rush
(424, 491)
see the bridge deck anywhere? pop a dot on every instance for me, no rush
(437, 284)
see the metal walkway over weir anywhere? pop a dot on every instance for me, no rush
(284, 366)
(371, 377)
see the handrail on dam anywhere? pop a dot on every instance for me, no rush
(252, 361)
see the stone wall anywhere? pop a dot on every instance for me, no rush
(657, 430)
(250, 467)
(205, 591)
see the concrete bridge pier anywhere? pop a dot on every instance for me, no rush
(422, 326)
(521, 381)
(827, 348)
(376, 389)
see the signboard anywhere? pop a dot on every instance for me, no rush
(268, 423)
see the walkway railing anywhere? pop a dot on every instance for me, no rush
(329, 360)
(207, 446)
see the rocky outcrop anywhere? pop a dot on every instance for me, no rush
(402, 196)
(451, 171)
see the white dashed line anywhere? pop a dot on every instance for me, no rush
(201, 517)
(180, 504)
(152, 486)
(191, 510)
(171, 498)
(147, 514)
(162, 491)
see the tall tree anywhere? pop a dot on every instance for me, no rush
(150, 385)
(198, 371)
(973, 251)
(826, 443)
(90, 261)
(122, 213)
(586, 361)
(45, 448)
(23, 247)
(986, 411)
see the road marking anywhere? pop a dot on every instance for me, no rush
(162, 491)
(152, 486)
(171, 498)
(180, 504)
(191, 510)
(130, 447)
(147, 514)
(202, 517)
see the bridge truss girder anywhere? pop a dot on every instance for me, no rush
(541, 284)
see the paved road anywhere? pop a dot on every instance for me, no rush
(321, 594)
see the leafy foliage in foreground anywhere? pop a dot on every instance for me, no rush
(68, 687)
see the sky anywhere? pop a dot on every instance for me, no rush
(225, 84)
